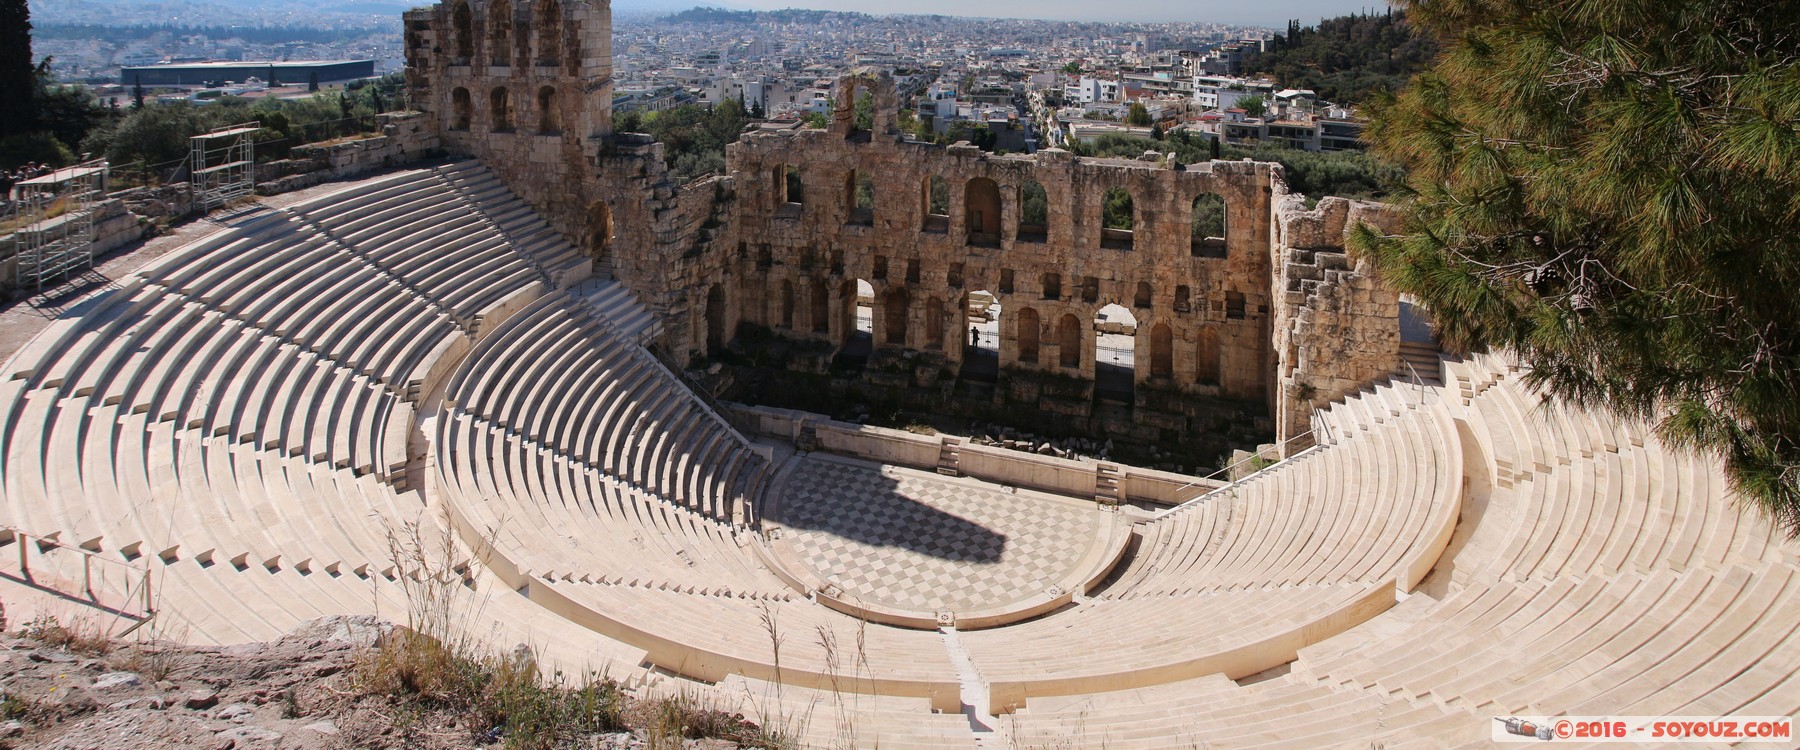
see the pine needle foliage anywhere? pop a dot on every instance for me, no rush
(1610, 189)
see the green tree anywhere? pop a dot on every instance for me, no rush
(1608, 189)
(1072, 68)
(18, 77)
(312, 82)
(137, 92)
(1137, 116)
(1253, 106)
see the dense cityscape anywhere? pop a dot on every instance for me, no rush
(1008, 85)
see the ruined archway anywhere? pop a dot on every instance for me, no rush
(715, 320)
(1207, 230)
(819, 307)
(934, 204)
(599, 238)
(462, 32)
(1118, 219)
(1115, 353)
(1162, 352)
(981, 212)
(548, 20)
(500, 27)
(980, 335)
(1206, 356)
(1068, 341)
(1034, 213)
(894, 313)
(500, 111)
(549, 117)
(462, 108)
(1027, 332)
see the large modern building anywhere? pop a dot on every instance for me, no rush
(217, 73)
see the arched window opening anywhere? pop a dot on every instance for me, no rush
(1117, 220)
(1141, 300)
(795, 191)
(1208, 226)
(934, 198)
(981, 212)
(549, 117)
(461, 109)
(1162, 352)
(1068, 341)
(1115, 353)
(549, 33)
(862, 112)
(1183, 299)
(500, 25)
(462, 25)
(1034, 213)
(859, 191)
(500, 110)
(1027, 333)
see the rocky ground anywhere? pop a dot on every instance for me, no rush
(306, 691)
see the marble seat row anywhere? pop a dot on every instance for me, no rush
(1379, 501)
(246, 401)
(562, 381)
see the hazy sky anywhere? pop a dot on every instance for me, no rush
(1256, 12)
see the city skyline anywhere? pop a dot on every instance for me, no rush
(1273, 13)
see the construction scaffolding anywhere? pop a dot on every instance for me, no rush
(223, 164)
(56, 221)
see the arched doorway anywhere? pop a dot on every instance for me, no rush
(894, 318)
(980, 334)
(1162, 352)
(1115, 353)
(599, 238)
(715, 320)
(1068, 341)
(1027, 333)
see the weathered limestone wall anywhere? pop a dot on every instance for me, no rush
(405, 137)
(527, 88)
(1202, 321)
(1273, 312)
(1337, 326)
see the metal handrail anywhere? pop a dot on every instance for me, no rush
(1320, 430)
(146, 600)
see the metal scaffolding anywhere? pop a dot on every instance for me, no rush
(56, 219)
(224, 164)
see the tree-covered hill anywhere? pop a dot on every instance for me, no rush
(1344, 59)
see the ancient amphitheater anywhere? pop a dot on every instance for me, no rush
(475, 343)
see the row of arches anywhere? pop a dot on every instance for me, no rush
(1109, 341)
(545, 47)
(501, 113)
(983, 207)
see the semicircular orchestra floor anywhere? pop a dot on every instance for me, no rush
(914, 541)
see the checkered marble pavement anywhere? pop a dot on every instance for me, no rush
(922, 542)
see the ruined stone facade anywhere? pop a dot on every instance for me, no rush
(1269, 311)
